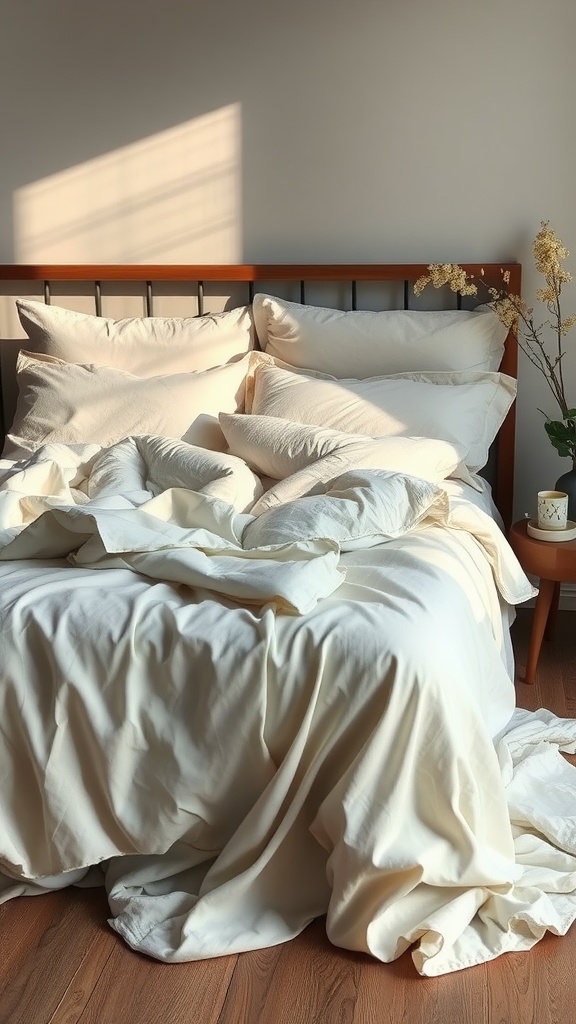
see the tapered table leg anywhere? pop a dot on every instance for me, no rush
(544, 601)
(553, 562)
(553, 613)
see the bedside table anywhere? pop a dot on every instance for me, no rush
(554, 563)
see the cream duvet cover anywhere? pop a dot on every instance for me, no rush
(237, 723)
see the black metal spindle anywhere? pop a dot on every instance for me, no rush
(98, 298)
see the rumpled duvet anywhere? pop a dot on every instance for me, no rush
(240, 722)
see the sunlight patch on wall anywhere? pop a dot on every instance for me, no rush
(173, 197)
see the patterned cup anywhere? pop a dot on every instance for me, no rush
(552, 510)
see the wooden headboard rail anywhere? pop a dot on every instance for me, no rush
(263, 274)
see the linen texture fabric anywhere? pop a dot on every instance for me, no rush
(465, 408)
(87, 403)
(361, 343)
(144, 346)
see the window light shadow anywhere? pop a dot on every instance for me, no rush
(173, 197)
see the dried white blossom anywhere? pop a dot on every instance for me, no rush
(549, 255)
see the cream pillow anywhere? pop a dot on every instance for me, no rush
(356, 511)
(364, 344)
(406, 456)
(277, 448)
(145, 346)
(73, 403)
(467, 409)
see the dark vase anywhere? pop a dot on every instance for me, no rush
(567, 483)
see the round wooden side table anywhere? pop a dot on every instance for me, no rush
(554, 562)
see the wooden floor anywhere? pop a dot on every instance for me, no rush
(61, 964)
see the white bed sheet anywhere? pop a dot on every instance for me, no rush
(236, 771)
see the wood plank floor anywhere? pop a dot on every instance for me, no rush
(61, 964)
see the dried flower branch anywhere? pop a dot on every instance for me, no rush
(550, 254)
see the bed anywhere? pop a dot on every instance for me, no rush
(255, 602)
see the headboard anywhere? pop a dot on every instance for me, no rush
(171, 290)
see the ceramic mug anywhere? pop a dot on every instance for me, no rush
(552, 510)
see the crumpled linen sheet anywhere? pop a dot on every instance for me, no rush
(234, 772)
(124, 507)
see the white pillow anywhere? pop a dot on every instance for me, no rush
(364, 344)
(277, 448)
(394, 455)
(356, 511)
(467, 409)
(73, 402)
(145, 346)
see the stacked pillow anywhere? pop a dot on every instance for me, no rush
(86, 402)
(384, 374)
(425, 376)
(362, 344)
(93, 379)
(301, 460)
(145, 346)
(466, 409)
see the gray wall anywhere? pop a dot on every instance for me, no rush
(326, 130)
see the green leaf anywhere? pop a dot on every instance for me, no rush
(562, 436)
(570, 414)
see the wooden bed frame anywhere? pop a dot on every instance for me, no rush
(260, 277)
